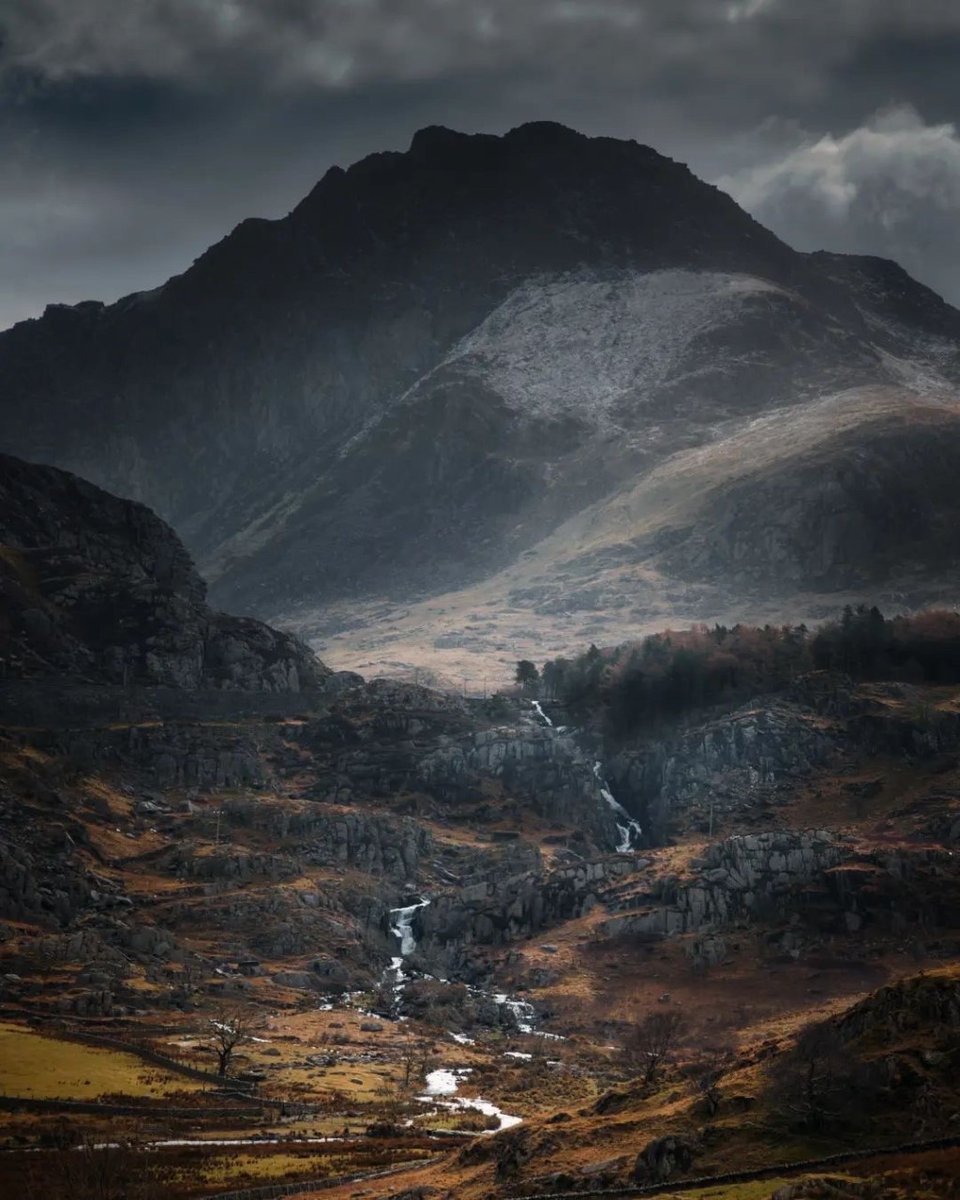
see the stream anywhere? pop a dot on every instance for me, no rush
(402, 930)
(442, 1087)
(443, 1084)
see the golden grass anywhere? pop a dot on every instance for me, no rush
(356, 1082)
(235, 1167)
(45, 1068)
(533, 1090)
(238, 1168)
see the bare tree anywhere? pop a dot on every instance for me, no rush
(815, 1084)
(416, 1063)
(708, 1085)
(230, 1028)
(651, 1042)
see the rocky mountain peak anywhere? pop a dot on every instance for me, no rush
(441, 356)
(439, 143)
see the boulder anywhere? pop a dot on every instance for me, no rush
(664, 1158)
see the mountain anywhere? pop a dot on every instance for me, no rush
(99, 590)
(448, 362)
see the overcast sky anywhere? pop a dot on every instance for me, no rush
(133, 133)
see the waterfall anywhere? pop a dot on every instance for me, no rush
(523, 1013)
(402, 927)
(538, 709)
(631, 832)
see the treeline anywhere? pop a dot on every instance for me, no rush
(665, 675)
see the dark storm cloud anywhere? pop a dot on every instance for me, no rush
(137, 131)
(892, 185)
(792, 46)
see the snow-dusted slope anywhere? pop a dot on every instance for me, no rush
(577, 343)
(570, 389)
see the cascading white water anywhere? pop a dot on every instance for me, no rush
(402, 927)
(523, 1013)
(402, 930)
(631, 832)
(538, 709)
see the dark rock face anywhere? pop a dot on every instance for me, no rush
(546, 772)
(925, 1002)
(505, 908)
(722, 767)
(857, 511)
(375, 843)
(331, 405)
(99, 589)
(739, 878)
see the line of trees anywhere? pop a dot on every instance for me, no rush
(661, 677)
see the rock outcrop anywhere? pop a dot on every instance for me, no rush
(726, 766)
(807, 886)
(544, 770)
(665, 1157)
(500, 909)
(98, 589)
(322, 835)
(742, 878)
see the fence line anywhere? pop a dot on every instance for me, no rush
(271, 1191)
(243, 1090)
(155, 1058)
(97, 1108)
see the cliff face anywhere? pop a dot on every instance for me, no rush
(722, 768)
(295, 840)
(99, 589)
